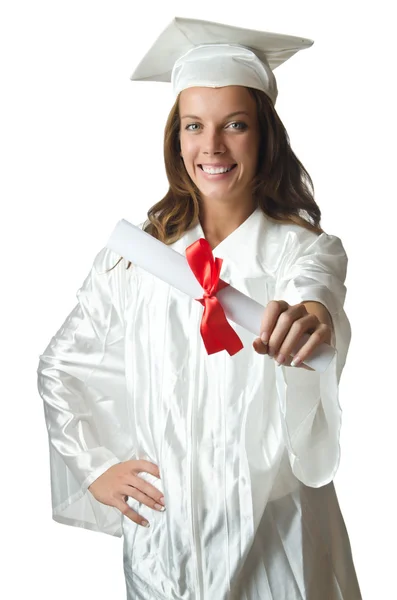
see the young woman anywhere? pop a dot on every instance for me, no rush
(216, 469)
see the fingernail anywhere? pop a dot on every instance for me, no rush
(145, 523)
(159, 507)
(297, 360)
(270, 353)
(264, 338)
(280, 359)
(162, 500)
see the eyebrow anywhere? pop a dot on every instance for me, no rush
(233, 114)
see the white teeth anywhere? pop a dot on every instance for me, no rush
(215, 170)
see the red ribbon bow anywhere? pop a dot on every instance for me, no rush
(215, 330)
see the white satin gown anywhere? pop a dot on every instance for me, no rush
(247, 451)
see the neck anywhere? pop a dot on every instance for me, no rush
(220, 220)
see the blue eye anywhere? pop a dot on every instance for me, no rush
(187, 126)
(244, 126)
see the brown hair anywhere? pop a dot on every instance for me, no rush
(282, 187)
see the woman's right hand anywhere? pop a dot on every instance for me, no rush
(121, 480)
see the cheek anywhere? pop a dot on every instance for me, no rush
(249, 151)
(187, 146)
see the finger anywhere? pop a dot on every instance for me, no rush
(147, 488)
(297, 329)
(144, 499)
(259, 346)
(288, 361)
(284, 323)
(319, 336)
(269, 318)
(302, 366)
(143, 465)
(131, 514)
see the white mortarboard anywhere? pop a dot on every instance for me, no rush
(192, 52)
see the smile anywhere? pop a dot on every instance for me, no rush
(216, 172)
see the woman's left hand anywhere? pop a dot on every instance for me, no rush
(283, 326)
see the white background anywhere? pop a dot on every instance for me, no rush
(81, 148)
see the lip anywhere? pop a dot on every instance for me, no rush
(216, 176)
(216, 165)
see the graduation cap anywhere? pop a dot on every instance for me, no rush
(192, 52)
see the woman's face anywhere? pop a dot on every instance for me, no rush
(219, 127)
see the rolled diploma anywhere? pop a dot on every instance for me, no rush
(164, 262)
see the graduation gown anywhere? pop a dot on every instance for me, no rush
(247, 451)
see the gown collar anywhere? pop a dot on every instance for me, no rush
(242, 250)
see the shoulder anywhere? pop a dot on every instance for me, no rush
(293, 236)
(286, 230)
(293, 247)
(107, 261)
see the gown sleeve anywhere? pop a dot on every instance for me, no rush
(313, 268)
(81, 380)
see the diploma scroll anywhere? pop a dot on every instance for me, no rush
(164, 262)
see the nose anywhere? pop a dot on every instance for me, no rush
(212, 142)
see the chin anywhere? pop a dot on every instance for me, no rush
(217, 195)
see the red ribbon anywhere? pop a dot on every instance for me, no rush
(215, 329)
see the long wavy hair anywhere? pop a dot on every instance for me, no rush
(282, 188)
